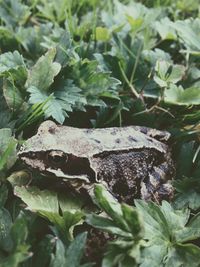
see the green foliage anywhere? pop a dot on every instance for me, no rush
(46, 204)
(8, 153)
(122, 221)
(13, 239)
(98, 64)
(158, 239)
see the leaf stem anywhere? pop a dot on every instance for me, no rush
(128, 82)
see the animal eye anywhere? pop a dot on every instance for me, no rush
(56, 158)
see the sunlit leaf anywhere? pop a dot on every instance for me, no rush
(43, 72)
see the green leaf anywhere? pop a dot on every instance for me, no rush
(102, 34)
(46, 204)
(72, 255)
(5, 114)
(167, 74)
(166, 31)
(14, 13)
(161, 221)
(13, 96)
(187, 34)
(5, 227)
(183, 97)
(53, 107)
(10, 61)
(56, 11)
(19, 230)
(133, 220)
(190, 199)
(107, 202)
(16, 258)
(30, 38)
(166, 230)
(19, 178)
(63, 100)
(123, 222)
(93, 81)
(188, 234)
(75, 251)
(43, 72)
(8, 154)
(64, 49)
(14, 240)
(153, 56)
(58, 259)
(183, 255)
(37, 200)
(106, 224)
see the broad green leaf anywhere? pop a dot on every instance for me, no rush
(123, 222)
(11, 61)
(134, 221)
(13, 96)
(188, 234)
(58, 259)
(94, 82)
(164, 248)
(176, 219)
(70, 203)
(14, 12)
(72, 255)
(153, 56)
(19, 230)
(30, 38)
(189, 37)
(38, 200)
(166, 31)
(5, 114)
(55, 11)
(106, 224)
(19, 178)
(195, 221)
(53, 107)
(71, 219)
(70, 95)
(46, 204)
(186, 255)
(75, 250)
(17, 257)
(6, 242)
(7, 149)
(155, 221)
(63, 100)
(184, 97)
(135, 23)
(167, 74)
(102, 34)
(64, 49)
(43, 72)
(154, 254)
(107, 202)
(190, 199)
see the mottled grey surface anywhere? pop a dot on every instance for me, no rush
(132, 161)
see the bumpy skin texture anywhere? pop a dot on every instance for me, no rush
(133, 162)
(137, 174)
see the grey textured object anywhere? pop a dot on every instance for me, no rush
(131, 161)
